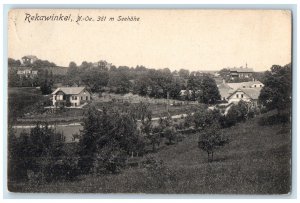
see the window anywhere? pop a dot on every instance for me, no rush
(81, 98)
(260, 85)
(55, 97)
(254, 85)
(237, 96)
(242, 95)
(87, 98)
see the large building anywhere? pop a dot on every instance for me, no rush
(241, 72)
(246, 91)
(104, 65)
(70, 96)
(28, 60)
(28, 73)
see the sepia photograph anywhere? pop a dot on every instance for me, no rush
(151, 101)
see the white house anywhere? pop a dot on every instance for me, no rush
(29, 73)
(245, 94)
(29, 59)
(70, 96)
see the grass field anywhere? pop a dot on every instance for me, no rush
(256, 161)
(22, 100)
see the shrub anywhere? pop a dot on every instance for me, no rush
(170, 134)
(159, 177)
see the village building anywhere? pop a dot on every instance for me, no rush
(70, 96)
(234, 92)
(241, 72)
(29, 60)
(102, 64)
(224, 90)
(246, 94)
(28, 73)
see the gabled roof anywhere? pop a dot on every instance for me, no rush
(242, 70)
(253, 93)
(69, 90)
(224, 90)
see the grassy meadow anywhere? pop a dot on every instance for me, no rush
(256, 161)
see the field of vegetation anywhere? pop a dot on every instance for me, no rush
(256, 161)
(22, 100)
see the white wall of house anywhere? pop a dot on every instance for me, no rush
(56, 98)
(75, 99)
(237, 96)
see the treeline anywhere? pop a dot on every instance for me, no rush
(145, 82)
(121, 80)
(36, 64)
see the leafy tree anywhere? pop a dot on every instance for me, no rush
(37, 151)
(42, 64)
(72, 65)
(13, 63)
(211, 139)
(232, 116)
(95, 79)
(119, 82)
(170, 134)
(225, 74)
(209, 93)
(276, 94)
(46, 87)
(194, 84)
(184, 73)
(13, 78)
(204, 117)
(243, 110)
(106, 133)
(142, 85)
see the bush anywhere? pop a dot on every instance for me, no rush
(159, 177)
(66, 168)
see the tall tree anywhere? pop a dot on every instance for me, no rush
(209, 93)
(184, 73)
(108, 137)
(211, 139)
(276, 94)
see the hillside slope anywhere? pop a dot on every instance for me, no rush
(256, 161)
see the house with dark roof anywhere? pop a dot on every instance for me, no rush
(70, 96)
(241, 72)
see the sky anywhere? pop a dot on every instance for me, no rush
(196, 40)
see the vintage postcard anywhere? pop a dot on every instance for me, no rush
(155, 101)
